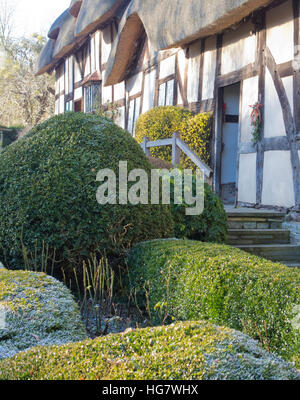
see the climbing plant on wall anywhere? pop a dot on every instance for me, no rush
(256, 122)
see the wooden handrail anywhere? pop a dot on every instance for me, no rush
(177, 146)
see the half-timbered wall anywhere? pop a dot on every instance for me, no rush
(261, 53)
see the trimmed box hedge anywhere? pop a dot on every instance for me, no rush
(189, 280)
(48, 193)
(191, 350)
(37, 310)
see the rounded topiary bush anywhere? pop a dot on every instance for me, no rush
(183, 351)
(190, 280)
(36, 309)
(48, 193)
(162, 122)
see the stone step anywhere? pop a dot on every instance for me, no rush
(254, 223)
(258, 236)
(254, 219)
(291, 265)
(279, 252)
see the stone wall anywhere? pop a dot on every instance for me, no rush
(294, 227)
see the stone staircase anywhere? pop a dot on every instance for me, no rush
(260, 232)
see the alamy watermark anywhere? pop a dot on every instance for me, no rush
(160, 187)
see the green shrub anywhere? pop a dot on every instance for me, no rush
(193, 351)
(191, 280)
(209, 226)
(48, 192)
(162, 122)
(38, 310)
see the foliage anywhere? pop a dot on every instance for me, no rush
(162, 122)
(39, 311)
(197, 134)
(209, 226)
(24, 98)
(224, 285)
(184, 351)
(48, 193)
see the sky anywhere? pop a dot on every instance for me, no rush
(36, 16)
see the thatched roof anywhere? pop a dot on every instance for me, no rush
(167, 24)
(93, 13)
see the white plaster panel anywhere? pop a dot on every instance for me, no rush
(134, 84)
(93, 55)
(194, 72)
(78, 93)
(274, 123)
(62, 80)
(77, 73)
(278, 188)
(249, 97)
(120, 119)
(56, 106)
(247, 178)
(181, 63)
(119, 91)
(179, 97)
(167, 67)
(67, 91)
(280, 32)
(149, 91)
(106, 94)
(105, 44)
(209, 68)
(87, 69)
(97, 50)
(239, 49)
(62, 104)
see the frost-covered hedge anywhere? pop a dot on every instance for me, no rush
(35, 309)
(191, 350)
(191, 280)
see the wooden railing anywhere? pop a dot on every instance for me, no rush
(178, 145)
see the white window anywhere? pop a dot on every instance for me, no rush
(69, 106)
(91, 97)
(134, 113)
(166, 93)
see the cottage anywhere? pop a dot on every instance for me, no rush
(239, 59)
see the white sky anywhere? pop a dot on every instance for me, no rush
(36, 16)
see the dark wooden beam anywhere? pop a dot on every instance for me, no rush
(201, 70)
(217, 120)
(236, 76)
(269, 144)
(180, 83)
(261, 46)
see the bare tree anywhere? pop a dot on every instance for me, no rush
(7, 14)
(24, 98)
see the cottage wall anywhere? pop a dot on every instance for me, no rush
(260, 52)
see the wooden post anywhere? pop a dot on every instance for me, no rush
(175, 150)
(144, 146)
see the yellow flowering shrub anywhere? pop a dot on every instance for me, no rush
(196, 133)
(162, 122)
